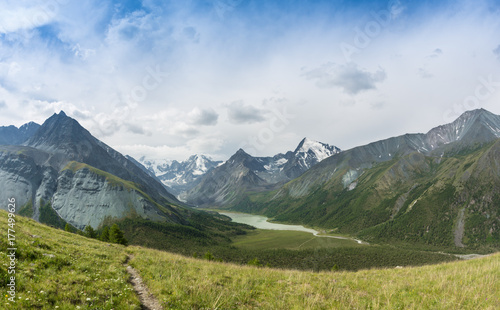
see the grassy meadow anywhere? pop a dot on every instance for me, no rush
(286, 239)
(60, 270)
(187, 283)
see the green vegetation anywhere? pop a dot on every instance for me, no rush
(187, 283)
(59, 269)
(413, 199)
(284, 239)
(89, 232)
(104, 234)
(280, 249)
(49, 216)
(116, 235)
(27, 209)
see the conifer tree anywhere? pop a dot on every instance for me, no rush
(67, 227)
(105, 234)
(90, 232)
(116, 235)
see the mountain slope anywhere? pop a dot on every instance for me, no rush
(63, 174)
(438, 188)
(225, 184)
(11, 135)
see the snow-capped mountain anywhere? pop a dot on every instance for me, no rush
(310, 152)
(243, 172)
(179, 176)
(285, 167)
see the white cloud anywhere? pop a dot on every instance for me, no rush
(204, 117)
(350, 78)
(496, 51)
(25, 15)
(241, 113)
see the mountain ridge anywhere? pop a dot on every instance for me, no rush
(413, 187)
(242, 173)
(62, 169)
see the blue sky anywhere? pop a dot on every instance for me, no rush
(169, 79)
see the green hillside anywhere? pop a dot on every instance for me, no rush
(448, 201)
(61, 270)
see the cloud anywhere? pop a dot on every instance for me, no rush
(223, 7)
(2, 104)
(21, 15)
(185, 130)
(349, 77)
(205, 117)
(239, 113)
(496, 51)
(137, 129)
(424, 73)
(436, 53)
(377, 105)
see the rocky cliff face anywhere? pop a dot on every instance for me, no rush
(84, 197)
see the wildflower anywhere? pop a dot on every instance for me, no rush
(88, 299)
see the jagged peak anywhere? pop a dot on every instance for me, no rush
(241, 152)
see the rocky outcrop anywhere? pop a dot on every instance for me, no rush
(87, 198)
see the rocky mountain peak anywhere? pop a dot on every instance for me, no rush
(471, 127)
(310, 152)
(11, 135)
(60, 132)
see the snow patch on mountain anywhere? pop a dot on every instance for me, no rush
(180, 176)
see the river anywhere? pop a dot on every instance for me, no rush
(261, 222)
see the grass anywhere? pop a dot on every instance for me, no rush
(60, 270)
(185, 283)
(293, 240)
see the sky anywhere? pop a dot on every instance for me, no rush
(169, 79)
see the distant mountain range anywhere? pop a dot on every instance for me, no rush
(179, 177)
(11, 135)
(243, 173)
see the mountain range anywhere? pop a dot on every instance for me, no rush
(11, 135)
(439, 188)
(62, 174)
(179, 177)
(243, 173)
